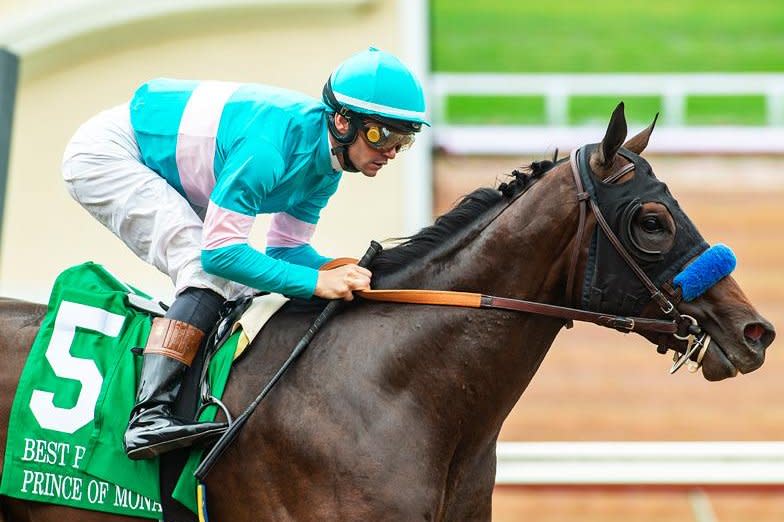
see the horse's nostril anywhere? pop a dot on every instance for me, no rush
(759, 334)
(753, 332)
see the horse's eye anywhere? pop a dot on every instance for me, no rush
(651, 224)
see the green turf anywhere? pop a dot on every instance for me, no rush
(594, 110)
(606, 36)
(496, 110)
(725, 110)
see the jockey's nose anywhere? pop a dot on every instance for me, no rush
(390, 153)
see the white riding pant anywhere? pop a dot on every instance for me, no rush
(103, 171)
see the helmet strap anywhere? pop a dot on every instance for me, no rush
(342, 152)
(343, 140)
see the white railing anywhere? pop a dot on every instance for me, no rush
(640, 463)
(687, 466)
(557, 89)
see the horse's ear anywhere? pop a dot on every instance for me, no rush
(638, 143)
(613, 138)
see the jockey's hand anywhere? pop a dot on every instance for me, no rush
(338, 283)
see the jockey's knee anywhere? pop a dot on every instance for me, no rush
(199, 307)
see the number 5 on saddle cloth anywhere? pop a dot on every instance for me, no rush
(75, 396)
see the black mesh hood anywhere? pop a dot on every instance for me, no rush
(610, 285)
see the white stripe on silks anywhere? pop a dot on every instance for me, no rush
(196, 139)
(288, 231)
(376, 107)
(224, 227)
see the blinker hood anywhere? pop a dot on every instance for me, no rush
(610, 286)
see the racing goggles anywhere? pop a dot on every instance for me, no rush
(381, 137)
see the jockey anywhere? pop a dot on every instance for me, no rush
(179, 174)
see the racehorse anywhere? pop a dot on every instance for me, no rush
(394, 410)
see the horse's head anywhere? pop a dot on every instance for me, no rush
(635, 264)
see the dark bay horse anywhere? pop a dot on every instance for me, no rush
(394, 410)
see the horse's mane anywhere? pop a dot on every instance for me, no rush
(470, 208)
(467, 211)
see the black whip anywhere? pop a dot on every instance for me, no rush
(234, 429)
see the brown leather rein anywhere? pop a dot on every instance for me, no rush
(680, 326)
(471, 300)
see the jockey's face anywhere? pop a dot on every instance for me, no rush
(367, 159)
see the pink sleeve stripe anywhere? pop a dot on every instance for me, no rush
(224, 227)
(288, 231)
(196, 139)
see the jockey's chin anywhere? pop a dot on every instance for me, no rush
(371, 168)
(369, 160)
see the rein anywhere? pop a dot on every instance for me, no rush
(473, 300)
(681, 327)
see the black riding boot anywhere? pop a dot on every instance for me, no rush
(171, 348)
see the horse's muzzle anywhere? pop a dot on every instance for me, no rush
(759, 335)
(743, 352)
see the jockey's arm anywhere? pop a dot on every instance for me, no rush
(246, 265)
(290, 232)
(238, 196)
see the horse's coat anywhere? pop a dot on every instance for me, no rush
(394, 410)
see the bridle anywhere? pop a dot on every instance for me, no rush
(688, 328)
(681, 327)
(678, 326)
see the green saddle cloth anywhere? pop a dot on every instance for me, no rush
(75, 396)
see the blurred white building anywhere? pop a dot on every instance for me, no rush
(78, 57)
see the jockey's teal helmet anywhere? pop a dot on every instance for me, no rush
(377, 84)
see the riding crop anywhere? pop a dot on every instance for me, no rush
(233, 430)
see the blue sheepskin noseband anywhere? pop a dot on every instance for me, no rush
(712, 265)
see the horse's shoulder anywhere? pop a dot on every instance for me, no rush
(19, 314)
(19, 324)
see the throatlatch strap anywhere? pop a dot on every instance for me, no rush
(176, 340)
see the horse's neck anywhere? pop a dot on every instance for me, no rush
(523, 253)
